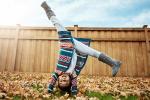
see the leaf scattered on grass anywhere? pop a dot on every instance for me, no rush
(34, 86)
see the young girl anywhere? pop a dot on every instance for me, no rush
(72, 57)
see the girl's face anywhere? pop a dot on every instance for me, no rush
(64, 80)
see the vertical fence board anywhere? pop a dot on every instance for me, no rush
(0, 54)
(118, 50)
(4, 56)
(102, 49)
(52, 50)
(96, 64)
(123, 57)
(10, 56)
(49, 56)
(91, 65)
(134, 47)
(19, 56)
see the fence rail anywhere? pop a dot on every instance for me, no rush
(35, 49)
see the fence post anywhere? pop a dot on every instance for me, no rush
(76, 30)
(15, 47)
(147, 47)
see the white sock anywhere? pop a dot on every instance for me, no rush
(85, 49)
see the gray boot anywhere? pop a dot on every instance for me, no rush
(113, 63)
(48, 10)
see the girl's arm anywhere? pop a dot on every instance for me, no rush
(52, 82)
(74, 86)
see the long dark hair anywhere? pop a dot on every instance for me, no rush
(65, 88)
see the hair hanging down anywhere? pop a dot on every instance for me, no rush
(65, 88)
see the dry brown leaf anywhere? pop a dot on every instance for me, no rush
(35, 85)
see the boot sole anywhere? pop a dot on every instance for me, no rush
(119, 65)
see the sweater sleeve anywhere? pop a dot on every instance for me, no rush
(74, 86)
(52, 81)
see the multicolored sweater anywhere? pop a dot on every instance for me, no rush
(65, 57)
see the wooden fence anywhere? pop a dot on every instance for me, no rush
(35, 49)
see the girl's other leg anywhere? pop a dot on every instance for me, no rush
(115, 64)
(85, 49)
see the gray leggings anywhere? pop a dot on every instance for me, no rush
(77, 45)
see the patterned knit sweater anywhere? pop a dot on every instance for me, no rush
(64, 60)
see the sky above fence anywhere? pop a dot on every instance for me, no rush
(99, 13)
